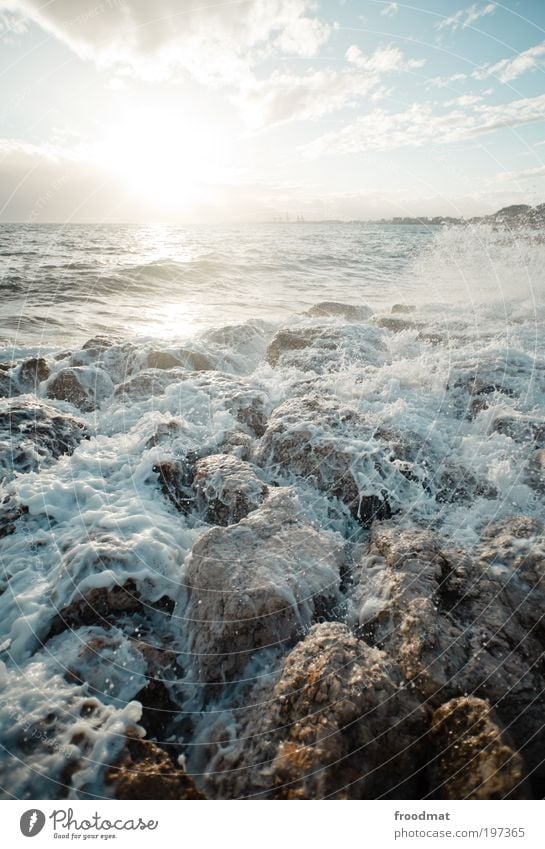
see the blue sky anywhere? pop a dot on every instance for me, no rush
(192, 110)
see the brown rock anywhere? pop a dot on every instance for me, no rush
(227, 489)
(144, 771)
(474, 759)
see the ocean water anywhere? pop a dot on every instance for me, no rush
(459, 376)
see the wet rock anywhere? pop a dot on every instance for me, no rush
(143, 770)
(176, 479)
(285, 341)
(147, 384)
(334, 447)
(431, 338)
(184, 357)
(457, 484)
(521, 429)
(327, 348)
(255, 584)
(535, 471)
(237, 443)
(403, 309)
(247, 402)
(396, 324)
(474, 757)
(33, 434)
(98, 344)
(84, 387)
(99, 605)
(10, 510)
(164, 432)
(350, 312)
(31, 373)
(518, 544)
(226, 489)
(459, 625)
(338, 723)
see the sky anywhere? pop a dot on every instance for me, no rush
(196, 110)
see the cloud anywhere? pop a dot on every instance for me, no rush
(213, 41)
(286, 97)
(421, 124)
(383, 60)
(509, 69)
(466, 17)
(390, 10)
(525, 174)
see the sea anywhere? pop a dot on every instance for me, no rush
(433, 333)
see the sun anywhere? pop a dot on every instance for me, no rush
(163, 156)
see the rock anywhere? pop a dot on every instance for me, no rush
(338, 724)
(460, 625)
(164, 432)
(285, 341)
(176, 479)
(146, 384)
(327, 348)
(227, 489)
(98, 344)
(474, 758)
(396, 324)
(332, 446)
(97, 606)
(31, 373)
(403, 309)
(350, 312)
(255, 584)
(456, 484)
(181, 357)
(237, 443)
(143, 770)
(10, 510)
(523, 429)
(85, 387)
(33, 434)
(535, 471)
(518, 544)
(247, 402)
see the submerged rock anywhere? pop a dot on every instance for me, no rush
(96, 606)
(523, 429)
(327, 348)
(10, 510)
(403, 309)
(396, 324)
(334, 447)
(84, 387)
(350, 312)
(31, 373)
(255, 584)
(474, 757)
(33, 434)
(176, 479)
(337, 724)
(227, 489)
(146, 384)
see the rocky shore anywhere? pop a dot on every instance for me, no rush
(287, 562)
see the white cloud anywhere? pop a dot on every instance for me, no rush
(421, 124)
(509, 69)
(286, 97)
(466, 17)
(383, 60)
(214, 41)
(390, 10)
(525, 174)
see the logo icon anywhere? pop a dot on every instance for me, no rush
(32, 822)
